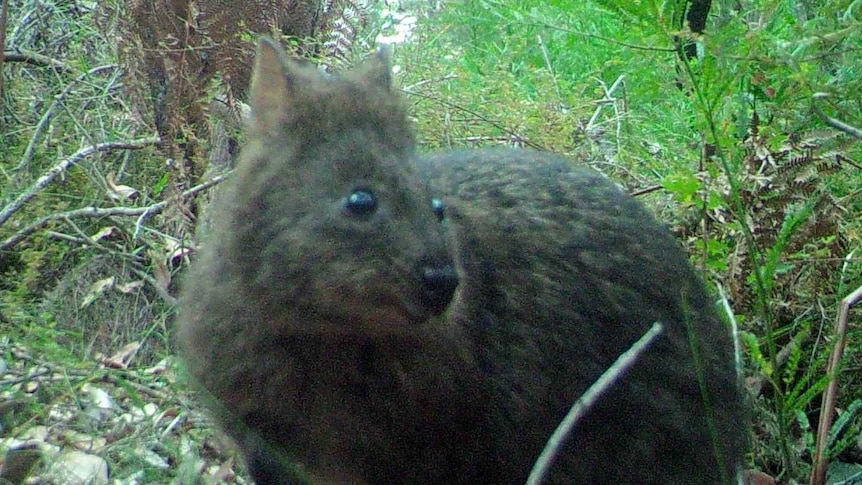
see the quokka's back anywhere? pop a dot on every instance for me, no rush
(349, 324)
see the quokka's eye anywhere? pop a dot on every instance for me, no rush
(439, 209)
(361, 202)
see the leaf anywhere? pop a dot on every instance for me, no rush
(119, 192)
(840, 472)
(97, 289)
(161, 184)
(121, 359)
(103, 233)
(130, 287)
(683, 186)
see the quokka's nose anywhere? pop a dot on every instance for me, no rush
(439, 282)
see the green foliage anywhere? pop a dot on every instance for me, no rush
(755, 355)
(773, 264)
(844, 431)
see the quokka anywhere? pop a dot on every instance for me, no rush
(361, 314)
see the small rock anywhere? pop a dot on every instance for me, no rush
(78, 468)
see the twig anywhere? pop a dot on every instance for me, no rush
(413, 87)
(163, 293)
(101, 212)
(646, 190)
(550, 68)
(734, 327)
(68, 238)
(608, 99)
(84, 240)
(837, 124)
(141, 388)
(36, 59)
(827, 408)
(587, 400)
(91, 241)
(4, 13)
(481, 117)
(61, 167)
(49, 113)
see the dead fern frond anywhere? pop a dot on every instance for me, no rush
(343, 19)
(778, 181)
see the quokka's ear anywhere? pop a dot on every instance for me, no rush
(272, 85)
(377, 69)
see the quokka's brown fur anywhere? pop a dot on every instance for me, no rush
(346, 327)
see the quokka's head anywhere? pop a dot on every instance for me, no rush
(331, 229)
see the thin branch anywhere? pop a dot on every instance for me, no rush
(837, 124)
(64, 165)
(68, 238)
(36, 59)
(608, 99)
(4, 13)
(550, 68)
(483, 118)
(827, 407)
(85, 240)
(163, 293)
(49, 113)
(101, 212)
(587, 400)
(647, 190)
(411, 88)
